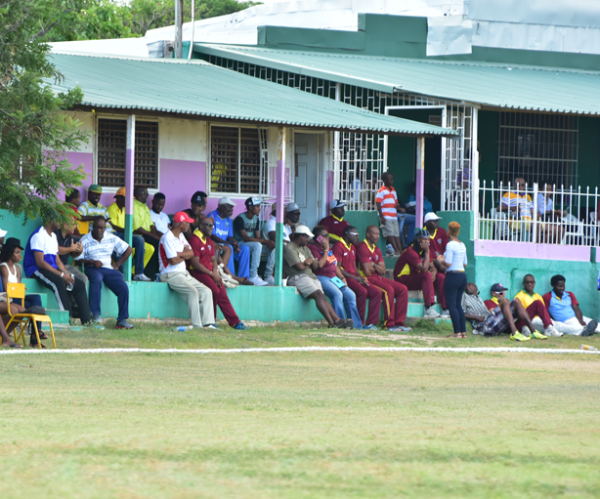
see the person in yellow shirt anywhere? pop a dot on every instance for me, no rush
(142, 221)
(538, 314)
(142, 251)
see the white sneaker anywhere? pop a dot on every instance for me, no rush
(140, 277)
(430, 313)
(445, 314)
(552, 331)
(257, 281)
(525, 331)
(270, 281)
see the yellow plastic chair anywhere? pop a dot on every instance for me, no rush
(23, 320)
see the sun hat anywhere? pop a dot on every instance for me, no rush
(303, 229)
(431, 216)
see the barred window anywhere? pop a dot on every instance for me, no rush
(237, 155)
(112, 147)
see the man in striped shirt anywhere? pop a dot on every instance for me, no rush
(98, 248)
(387, 202)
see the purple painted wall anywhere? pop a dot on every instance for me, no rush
(179, 179)
(510, 249)
(329, 188)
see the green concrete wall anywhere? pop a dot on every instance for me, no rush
(361, 220)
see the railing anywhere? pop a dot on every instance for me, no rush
(563, 215)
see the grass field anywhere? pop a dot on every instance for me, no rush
(298, 425)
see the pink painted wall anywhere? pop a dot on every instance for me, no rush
(511, 249)
(179, 179)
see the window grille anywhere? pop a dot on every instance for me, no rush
(237, 156)
(539, 147)
(112, 149)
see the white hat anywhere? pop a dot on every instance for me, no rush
(431, 216)
(3, 232)
(336, 203)
(303, 229)
(226, 200)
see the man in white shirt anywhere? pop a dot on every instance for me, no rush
(270, 230)
(159, 218)
(98, 248)
(173, 251)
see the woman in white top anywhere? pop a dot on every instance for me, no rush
(455, 261)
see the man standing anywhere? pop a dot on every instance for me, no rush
(535, 307)
(98, 248)
(203, 266)
(395, 295)
(246, 231)
(174, 250)
(335, 223)
(92, 208)
(386, 201)
(142, 221)
(223, 234)
(41, 261)
(345, 253)
(67, 247)
(143, 250)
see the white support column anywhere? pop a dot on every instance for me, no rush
(336, 149)
(475, 172)
(282, 139)
(129, 185)
(420, 187)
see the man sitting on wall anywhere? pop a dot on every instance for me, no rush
(298, 263)
(565, 312)
(198, 205)
(372, 266)
(143, 250)
(246, 230)
(69, 246)
(92, 208)
(335, 223)
(536, 308)
(413, 270)
(437, 235)
(98, 248)
(162, 224)
(345, 254)
(270, 230)
(142, 221)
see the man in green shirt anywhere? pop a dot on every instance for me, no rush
(298, 265)
(142, 221)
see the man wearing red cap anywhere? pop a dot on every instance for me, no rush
(173, 251)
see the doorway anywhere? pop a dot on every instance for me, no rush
(306, 183)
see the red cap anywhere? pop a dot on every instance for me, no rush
(182, 216)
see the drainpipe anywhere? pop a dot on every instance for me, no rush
(178, 28)
(129, 184)
(420, 181)
(282, 136)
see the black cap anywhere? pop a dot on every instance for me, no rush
(252, 202)
(422, 233)
(496, 288)
(199, 197)
(13, 241)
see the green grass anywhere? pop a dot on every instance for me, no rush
(298, 425)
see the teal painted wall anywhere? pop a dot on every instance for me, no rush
(361, 220)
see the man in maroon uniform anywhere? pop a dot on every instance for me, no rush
(372, 266)
(335, 223)
(438, 236)
(345, 253)
(203, 267)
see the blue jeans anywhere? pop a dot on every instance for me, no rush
(255, 250)
(137, 243)
(270, 261)
(115, 282)
(408, 220)
(340, 299)
(454, 287)
(242, 258)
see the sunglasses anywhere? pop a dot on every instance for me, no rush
(208, 225)
(353, 233)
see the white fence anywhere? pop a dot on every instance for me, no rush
(562, 215)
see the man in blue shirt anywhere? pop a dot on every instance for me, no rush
(223, 235)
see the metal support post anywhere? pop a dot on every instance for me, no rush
(129, 184)
(420, 181)
(282, 138)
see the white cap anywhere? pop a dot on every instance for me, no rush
(303, 229)
(226, 200)
(431, 216)
(336, 203)
(3, 232)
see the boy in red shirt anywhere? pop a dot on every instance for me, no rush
(395, 295)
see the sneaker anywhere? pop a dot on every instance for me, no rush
(445, 313)
(538, 336)
(241, 326)
(96, 319)
(552, 331)
(369, 327)
(590, 328)
(525, 331)
(270, 281)
(210, 326)
(124, 324)
(404, 329)
(430, 313)
(519, 337)
(257, 281)
(94, 325)
(141, 277)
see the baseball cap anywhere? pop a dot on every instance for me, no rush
(431, 216)
(291, 207)
(199, 197)
(496, 288)
(120, 192)
(303, 229)
(336, 203)
(182, 216)
(3, 232)
(95, 188)
(226, 200)
(422, 233)
(252, 202)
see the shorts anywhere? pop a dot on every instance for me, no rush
(305, 285)
(495, 323)
(391, 228)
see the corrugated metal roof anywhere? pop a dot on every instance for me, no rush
(492, 85)
(196, 88)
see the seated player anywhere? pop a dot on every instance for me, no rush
(538, 313)
(335, 223)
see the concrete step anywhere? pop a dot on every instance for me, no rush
(58, 316)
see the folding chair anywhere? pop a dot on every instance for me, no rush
(23, 320)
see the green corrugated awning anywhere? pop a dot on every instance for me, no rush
(490, 85)
(199, 89)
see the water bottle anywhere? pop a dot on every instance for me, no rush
(589, 347)
(70, 286)
(181, 329)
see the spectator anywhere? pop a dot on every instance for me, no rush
(408, 220)
(411, 206)
(160, 219)
(98, 248)
(143, 251)
(395, 295)
(292, 217)
(413, 270)
(142, 221)
(174, 250)
(92, 208)
(550, 229)
(518, 204)
(41, 261)
(2, 235)
(536, 308)
(196, 211)
(386, 201)
(345, 253)
(565, 312)
(203, 267)
(246, 230)
(73, 197)
(270, 230)
(297, 266)
(337, 290)
(223, 235)
(514, 308)
(334, 223)
(437, 234)
(455, 261)
(69, 246)
(7, 340)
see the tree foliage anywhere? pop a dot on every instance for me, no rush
(33, 131)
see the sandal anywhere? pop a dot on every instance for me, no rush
(455, 335)
(13, 345)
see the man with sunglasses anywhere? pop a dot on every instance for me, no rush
(203, 267)
(536, 308)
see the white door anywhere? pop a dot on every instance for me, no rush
(307, 178)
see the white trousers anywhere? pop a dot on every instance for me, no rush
(571, 326)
